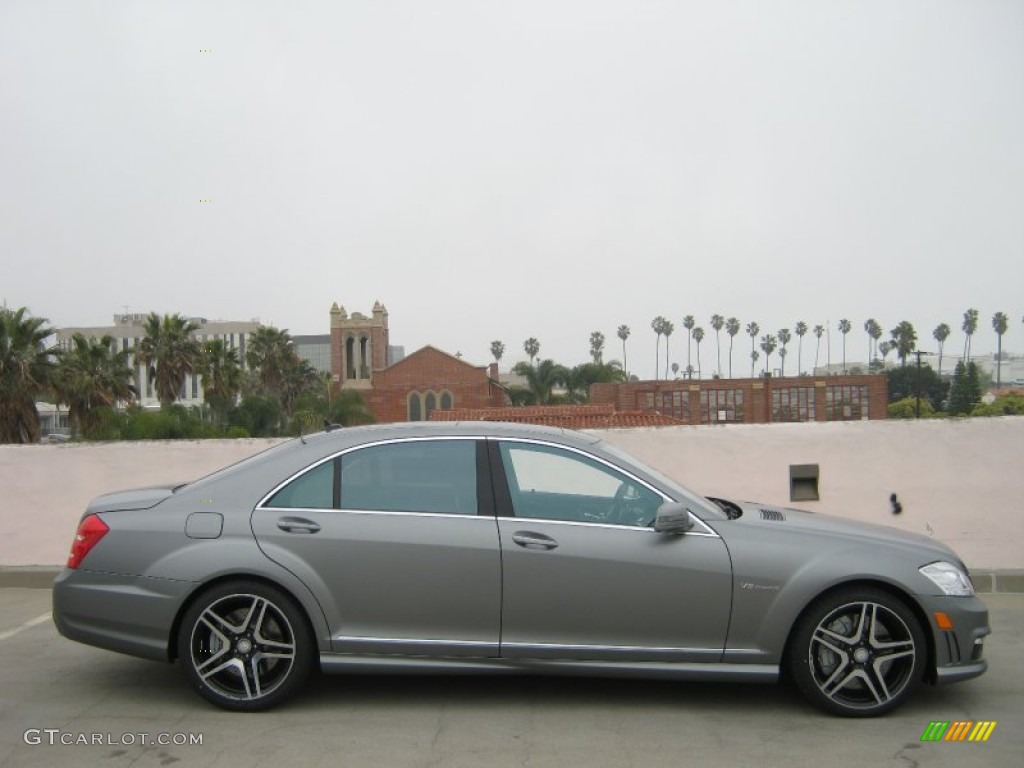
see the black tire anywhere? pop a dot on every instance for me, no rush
(245, 646)
(857, 652)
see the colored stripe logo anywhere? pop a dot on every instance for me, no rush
(958, 730)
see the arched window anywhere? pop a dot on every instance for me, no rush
(415, 407)
(350, 358)
(446, 401)
(430, 404)
(364, 358)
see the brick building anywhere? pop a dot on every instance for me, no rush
(564, 416)
(751, 401)
(397, 388)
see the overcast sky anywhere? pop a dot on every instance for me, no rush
(499, 170)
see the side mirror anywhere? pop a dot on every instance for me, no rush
(673, 518)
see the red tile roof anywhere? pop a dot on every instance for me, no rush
(565, 416)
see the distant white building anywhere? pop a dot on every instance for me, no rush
(1011, 367)
(129, 329)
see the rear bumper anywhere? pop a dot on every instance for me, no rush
(127, 614)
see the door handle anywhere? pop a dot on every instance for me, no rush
(297, 525)
(531, 540)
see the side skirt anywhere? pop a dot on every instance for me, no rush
(338, 663)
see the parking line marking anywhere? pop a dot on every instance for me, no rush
(27, 625)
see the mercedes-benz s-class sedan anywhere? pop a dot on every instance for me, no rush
(472, 547)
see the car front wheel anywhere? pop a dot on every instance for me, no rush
(245, 646)
(858, 652)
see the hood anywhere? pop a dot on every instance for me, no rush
(136, 498)
(797, 520)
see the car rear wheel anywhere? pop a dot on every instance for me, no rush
(245, 645)
(858, 652)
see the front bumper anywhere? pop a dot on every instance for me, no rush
(958, 650)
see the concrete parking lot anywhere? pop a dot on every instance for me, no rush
(52, 690)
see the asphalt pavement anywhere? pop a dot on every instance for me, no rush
(113, 710)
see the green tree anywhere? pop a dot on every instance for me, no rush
(268, 355)
(819, 331)
(658, 326)
(768, 344)
(902, 383)
(623, 334)
(844, 328)
(965, 392)
(717, 323)
(1000, 322)
(532, 348)
(92, 374)
(497, 349)
(222, 377)
(688, 323)
(801, 331)
(26, 373)
(784, 338)
(732, 327)
(885, 348)
(904, 340)
(541, 379)
(1004, 405)
(698, 337)
(596, 345)
(169, 353)
(667, 332)
(874, 332)
(940, 334)
(752, 330)
(969, 326)
(258, 414)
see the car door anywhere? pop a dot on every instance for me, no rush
(585, 576)
(394, 540)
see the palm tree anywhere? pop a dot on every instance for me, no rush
(754, 357)
(297, 376)
(874, 332)
(698, 336)
(268, 357)
(768, 344)
(885, 348)
(92, 374)
(667, 331)
(800, 328)
(658, 326)
(844, 328)
(752, 330)
(497, 349)
(532, 348)
(596, 346)
(688, 324)
(717, 323)
(169, 353)
(732, 327)
(26, 372)
(941, 333)
(222, 377)
(1000, 322)
(675, 370)
(904, 339)
(819, 331)
(784, 338)
(541, 379)
(969, 326)
(623, 334)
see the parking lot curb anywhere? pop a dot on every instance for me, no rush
(42, 576)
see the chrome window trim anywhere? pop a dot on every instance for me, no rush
(616, 526)
(708, 531)
(611, 648)
(262, 503)
(453, 515)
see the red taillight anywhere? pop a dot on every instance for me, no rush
(88, 535)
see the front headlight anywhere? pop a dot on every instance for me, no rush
(949, 578)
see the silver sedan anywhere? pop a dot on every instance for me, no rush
(497, 548)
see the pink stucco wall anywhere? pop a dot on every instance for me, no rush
(962, 479)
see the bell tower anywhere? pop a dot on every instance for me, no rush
(359, 345)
